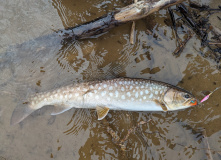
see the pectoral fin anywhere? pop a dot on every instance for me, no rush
(163, 106)
(102, 112)
(58, 109)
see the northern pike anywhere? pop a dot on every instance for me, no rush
(103, 95)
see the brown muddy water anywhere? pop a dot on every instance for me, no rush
(33, 59)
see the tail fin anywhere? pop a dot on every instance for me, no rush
(21, 112)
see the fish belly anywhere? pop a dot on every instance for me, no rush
(136, 106)
(123, 105)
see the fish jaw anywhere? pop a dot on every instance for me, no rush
(193, 102)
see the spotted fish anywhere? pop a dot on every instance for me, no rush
(115, 94)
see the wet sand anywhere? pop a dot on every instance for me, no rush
(34, 59)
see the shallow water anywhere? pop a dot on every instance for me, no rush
(33, 59)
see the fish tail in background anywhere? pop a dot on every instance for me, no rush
(21, 112)
(17, 90)
(18, 93)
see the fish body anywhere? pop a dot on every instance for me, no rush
(115, 94)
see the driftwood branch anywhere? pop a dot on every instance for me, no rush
(132, 33)
(142, 9)
(129, 13)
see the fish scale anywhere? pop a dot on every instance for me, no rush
(115, 94)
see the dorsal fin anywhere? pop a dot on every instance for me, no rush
(102, 112)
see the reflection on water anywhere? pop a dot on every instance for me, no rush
(77, 123)
(49, 61)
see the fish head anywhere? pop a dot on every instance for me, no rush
(176, 99)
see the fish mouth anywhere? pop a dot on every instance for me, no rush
(192, 102)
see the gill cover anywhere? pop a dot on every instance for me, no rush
(176, 99)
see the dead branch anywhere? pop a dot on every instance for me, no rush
(103, 24)
(132, 33)
(182, 45)
(199, 25)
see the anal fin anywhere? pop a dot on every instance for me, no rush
(102, 112)
(58, 109)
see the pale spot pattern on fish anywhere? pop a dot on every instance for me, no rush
(111, 89)
(117, 94)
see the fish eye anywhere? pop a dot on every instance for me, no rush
(187, 96)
